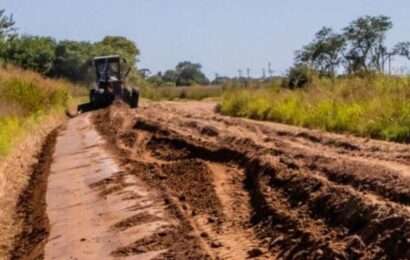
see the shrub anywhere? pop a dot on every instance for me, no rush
(299, 76)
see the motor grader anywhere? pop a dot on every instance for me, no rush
(111, 72)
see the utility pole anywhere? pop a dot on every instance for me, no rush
(270, 71)
(263, 73)
(216, 79)
(248, 77)
(240, 77)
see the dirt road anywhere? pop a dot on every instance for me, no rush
(178, 181)
(90, 216)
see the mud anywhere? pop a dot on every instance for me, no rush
(239, 189)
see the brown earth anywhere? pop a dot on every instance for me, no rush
(32, 207)
(175, 180)
(21, 176)
(268, 190)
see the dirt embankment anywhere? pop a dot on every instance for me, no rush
(242, 189)
(31, 209)
(16, 179)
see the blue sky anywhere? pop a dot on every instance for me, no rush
(222, 35)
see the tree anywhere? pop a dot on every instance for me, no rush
(170, 76)
(6, 24)
(156, 79)
(68, 59)
(120, 46)
(298, 76)
(190, 73)
(32, 52)
(402, 49)
(365, 37)
(324, 53)
(360, 48)
(7, 31)
(72, 61)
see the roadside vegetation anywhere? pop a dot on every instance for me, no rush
(40, 77)
(376, 107)
(26, 98)
(340, 82)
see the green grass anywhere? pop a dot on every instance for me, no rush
(26, 99)
(377, 107)
(175, 93)
(9, 128)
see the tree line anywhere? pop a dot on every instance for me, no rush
(359, 48)
(186, 73)
(72, 59)
(62, 59)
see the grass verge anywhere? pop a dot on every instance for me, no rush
(26, 99)
(376, 107)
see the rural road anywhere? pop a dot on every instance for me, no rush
(87, 221)
(175, 180)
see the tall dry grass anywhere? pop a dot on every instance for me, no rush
(25, 98)
(377, 107)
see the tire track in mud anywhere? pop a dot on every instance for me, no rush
(295, 202)
(368, 165)
(180, 241)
